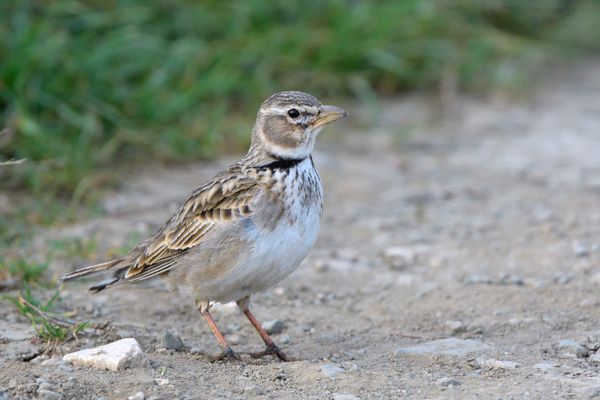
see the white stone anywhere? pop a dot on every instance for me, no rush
(446, 347)
(448, 382)
(344, 396)
(543, 367)
(492, 363)
(114, 356)
(400, 256)
(48, 395)
(161, 381)
(330, 371)
(595, 358)
(137, 396)
(571, 348)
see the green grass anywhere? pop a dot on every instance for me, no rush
(21, 268)
(86, 85)
(49, 325)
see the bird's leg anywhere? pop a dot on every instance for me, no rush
(272, 348)
(227, 353)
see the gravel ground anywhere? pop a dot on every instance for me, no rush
(460, 262)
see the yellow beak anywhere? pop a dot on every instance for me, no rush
(327, 115)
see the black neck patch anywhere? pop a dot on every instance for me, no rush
(281, 163)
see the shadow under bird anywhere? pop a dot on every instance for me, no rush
(247, 228)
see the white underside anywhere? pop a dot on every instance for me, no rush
(275, 255)
(268, 255)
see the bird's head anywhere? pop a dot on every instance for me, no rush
(288, 123)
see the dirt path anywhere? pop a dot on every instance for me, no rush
(486, 231)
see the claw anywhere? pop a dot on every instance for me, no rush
(273, 350)
(227, 355)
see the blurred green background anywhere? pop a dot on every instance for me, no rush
(88, 85)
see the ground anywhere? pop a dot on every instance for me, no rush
(483, 227)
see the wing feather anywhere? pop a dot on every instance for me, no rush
(226, 198)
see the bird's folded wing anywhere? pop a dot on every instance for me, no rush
(224, 199)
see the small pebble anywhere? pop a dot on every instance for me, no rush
(49, 395)
(497, 364)
(161, 381)
(285, 339)
(588, 303)
(455, 327)
(399, 257)
(45, 386)
(233, 339)
(344, 396)
(137, 396)
(448, 382)
(580, 249)
(330, 371)
(543, 366)
(571, 348)
(253, 390)
(274, 327)
(595, 358)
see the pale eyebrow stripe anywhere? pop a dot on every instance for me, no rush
(301, 109)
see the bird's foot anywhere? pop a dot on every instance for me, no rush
(272, 350)
(227, 355)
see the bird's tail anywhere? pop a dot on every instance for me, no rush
(92, 269)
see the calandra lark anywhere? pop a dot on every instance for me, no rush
(247, 228)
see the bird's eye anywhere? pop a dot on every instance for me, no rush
(293, 113)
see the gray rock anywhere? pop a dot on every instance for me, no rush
(344, 396)
(171, 341)
(49, 395)
(447, 347)
(274, 327)
(330, 371)
(448, 382)
(571, 349)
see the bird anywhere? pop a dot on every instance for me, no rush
(244, 230)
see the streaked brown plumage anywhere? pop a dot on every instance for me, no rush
(248, 227)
